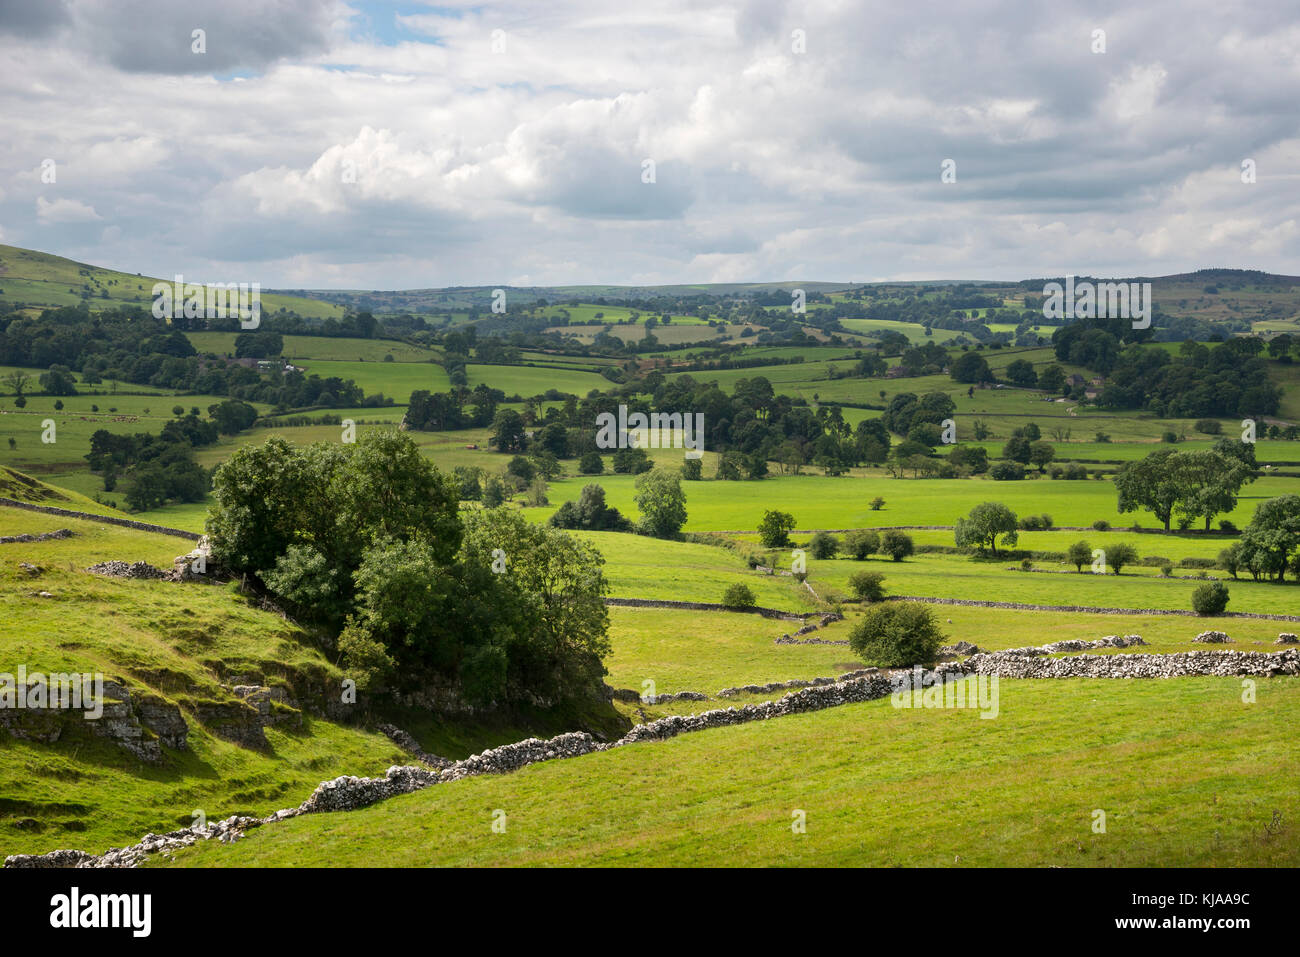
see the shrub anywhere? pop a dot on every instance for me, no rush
(1101, 525)
(738, 596)
(877, 503)
(824, 545)
(860, 543)
(1209, 426)
(1035, 523)
(897, 635)
(1166, 570)
(897, 545)
(364, 659)
(1199, 563)
(868, 586)
(1026, 565)
(1007, 472)
(1210, 598)
(591, 464)
(1230, 559)
(692, 470)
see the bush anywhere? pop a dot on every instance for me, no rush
(860, 543)
(1199, 563)
(1229, 527)
(1210, 598)
(591, 464)
(868, 586)
(824, 545)
(692, 470)
(364, 659)
(897, 545)
(1101, 525)
(1209, 426)
(738, 596)
(897, 635)
(1035, 523)
(877, 503)
(1166, 570)
(1007, 472)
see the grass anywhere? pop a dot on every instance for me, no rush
(185, 645)
(709, 651)
(956, 576)
(321, 347)
(879, 786)
(641, 567)
(817, 501)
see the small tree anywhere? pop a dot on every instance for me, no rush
(877, 503)
(868, 586)
(1210, 598)
(984, 524)
(1079, 554)
(897, 545)
(1117, 556)
(591, 464)
(860, 543)
(824, 545)
(738, 596)
(692, 470)
(897, 635)
(774, 529)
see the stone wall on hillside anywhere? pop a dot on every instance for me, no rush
(106, 519)
(349, 793)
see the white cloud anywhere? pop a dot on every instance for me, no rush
(473, 166)
(64, 211)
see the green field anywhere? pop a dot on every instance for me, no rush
(880, 786)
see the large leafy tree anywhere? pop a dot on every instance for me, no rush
(662, 502)
(1149, 484)
(1200, 483)
(1272, 538)
(508, 431)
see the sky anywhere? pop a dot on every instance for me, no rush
(377, 145)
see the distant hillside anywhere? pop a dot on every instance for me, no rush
(455, 298)
(33, 281)
(1207, 294)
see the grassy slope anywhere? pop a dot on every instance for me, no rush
(180, 643)
(879, 785)
(40, 279)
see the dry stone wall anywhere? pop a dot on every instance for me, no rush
(349, 793)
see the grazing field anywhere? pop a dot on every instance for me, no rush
(321, 347)
(880, 786)
(843, 502)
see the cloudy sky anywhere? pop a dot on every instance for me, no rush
(377, 144)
